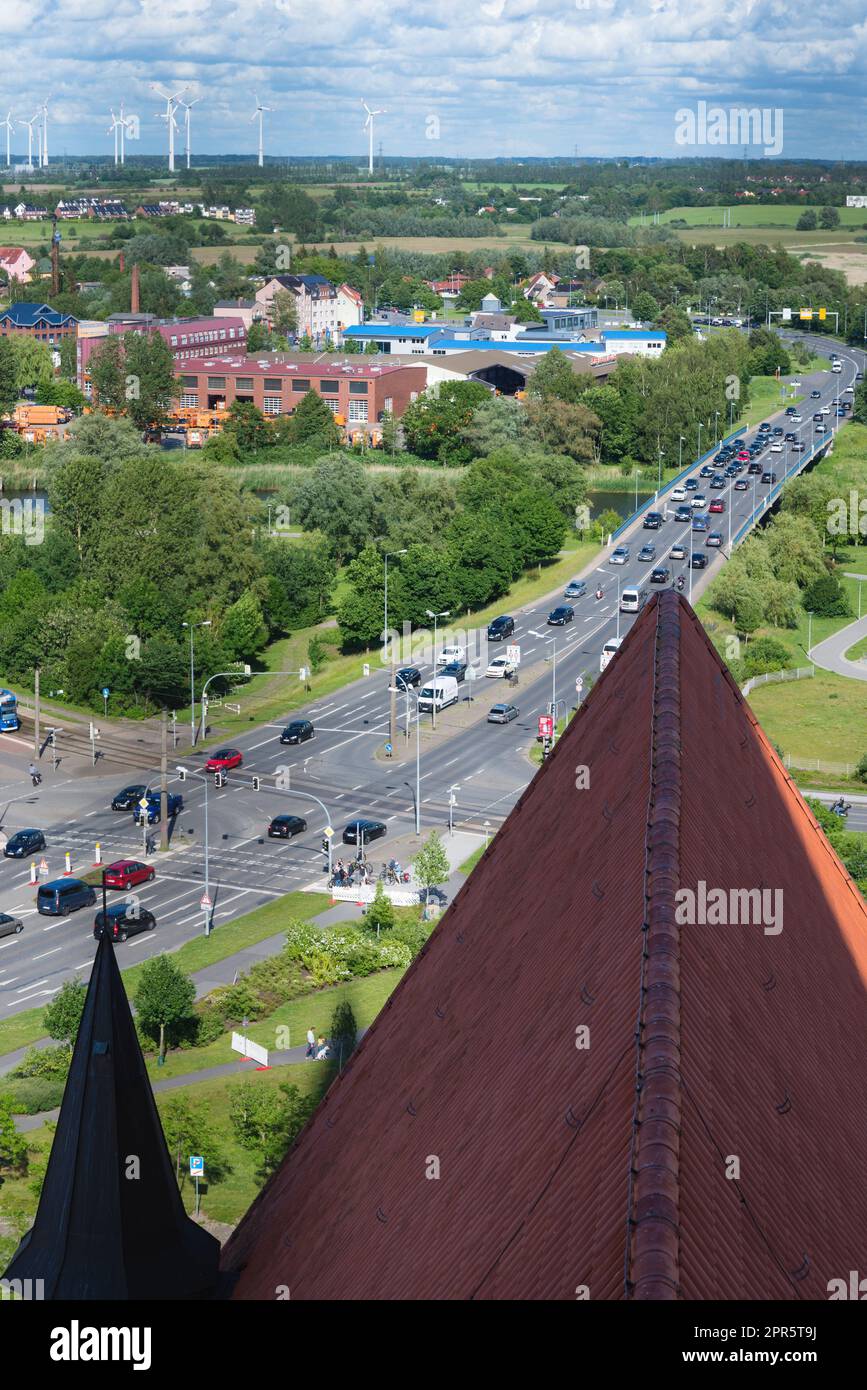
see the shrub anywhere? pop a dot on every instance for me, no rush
(45, 1061)
(32, 1094)
(826, 597)
(765, 654)
(861, 769)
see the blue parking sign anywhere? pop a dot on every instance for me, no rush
(197, 1166)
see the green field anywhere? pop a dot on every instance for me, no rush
(782, 216)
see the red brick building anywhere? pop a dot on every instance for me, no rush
(357, 394)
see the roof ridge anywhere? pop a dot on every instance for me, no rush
(652, 1256)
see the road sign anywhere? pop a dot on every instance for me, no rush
(513, 654)
(388, 749)
(205, 901)
(105, 692)
(144, 803)
(197, 1166)
(546, 726)
(579, 684)
(329, 831)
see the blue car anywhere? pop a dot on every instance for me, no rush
(700, 522)
(175, 804)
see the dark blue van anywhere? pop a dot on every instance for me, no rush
(63, 896)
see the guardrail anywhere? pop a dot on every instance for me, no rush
(772, 677)
(672, 482)
(769, 497)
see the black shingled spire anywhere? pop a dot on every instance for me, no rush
(99, 1233)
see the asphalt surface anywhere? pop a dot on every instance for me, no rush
(343, 766)
(831, 654)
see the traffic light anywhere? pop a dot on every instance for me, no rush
(255, 784)
(324, 844)
(182, 774)
(823, 313)
(219, 779)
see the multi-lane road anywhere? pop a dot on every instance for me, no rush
(343, 766)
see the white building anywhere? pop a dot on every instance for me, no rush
(856, 200)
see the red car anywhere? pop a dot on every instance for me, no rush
(223, 759)
(717, 505)
(743, 456)
(126, 873)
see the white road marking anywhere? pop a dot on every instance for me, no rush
(52, 952)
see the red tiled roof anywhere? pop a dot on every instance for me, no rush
(606, 1165)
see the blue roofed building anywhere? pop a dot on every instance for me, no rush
(38, 321)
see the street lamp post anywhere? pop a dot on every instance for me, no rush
(409, 692)
(659, 474)
(208, 910)
(446, 613)
(715, 428)
(700, 428)
(810, 638)
(388, 647)
(192, 627)
(680, 445)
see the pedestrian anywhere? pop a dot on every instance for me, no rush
(311, 1045)
(321, 1050)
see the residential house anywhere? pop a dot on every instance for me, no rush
(16, 262)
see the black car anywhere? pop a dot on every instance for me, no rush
(123, 919)
(706, 471)
(647, 552)
(457, 669)
(297, 732)
(660, 575)
(129, 797)
(699, 560)
(717, 481)
(777, 431)
(683, 514)
(501, 628)
(691, 485)
(23, 842)
(284, 827)
(562, 614)
(790, 436)
(815, 395)
(754, 468)
(652, 521)
(365, 830)
(769, 477)
(407, 676)
(764, 427)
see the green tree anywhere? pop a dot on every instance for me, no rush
(859, 407)
(829, 218)
(379, 915)
(284, 313)
(63, 1015)
(827, 598)
(108, 373)
(75, 492)
(555, 377)
(749, 609)
(151, 385)
(312, 420)
(188, 1131)
(247, 426)
(63, 394)
(807, 222)
(336, 500)
(163, 999)
(259, 337)
(431, 864)
(243, 630)
(344, 1030)
(13, 1146)
(645, 308)
(674, 322)
(33, 364)
(434, 425)
(361, 609)
(266, 1121)
(566, 427)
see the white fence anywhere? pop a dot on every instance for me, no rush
(819, 765)
(773, 676)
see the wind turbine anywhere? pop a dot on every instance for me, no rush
(188, 106)
(116, 125)
(29, 125)
(172, 100)
(258, 112)
(9, 126)
(368, 125)
(43, 157)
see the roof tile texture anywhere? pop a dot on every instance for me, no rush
(564, 1166)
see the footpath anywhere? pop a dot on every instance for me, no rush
(458, 846)
(830, 654)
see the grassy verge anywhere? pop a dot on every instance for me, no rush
(366, 997)
(27, 1027)
(824, 718)
(470, 863)
(858, 651)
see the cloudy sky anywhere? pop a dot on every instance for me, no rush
(465, 78)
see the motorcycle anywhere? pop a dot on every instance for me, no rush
(680, 584)
(841, 808)
(599, 593)
(36, 778)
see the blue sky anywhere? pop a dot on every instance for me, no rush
(468, 78)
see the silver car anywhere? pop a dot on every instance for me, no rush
(10, 926)
(502, 714)
(619, 556)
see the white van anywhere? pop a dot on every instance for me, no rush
(610, 650)
(632, 600)
(438, 694)
(836, 366)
